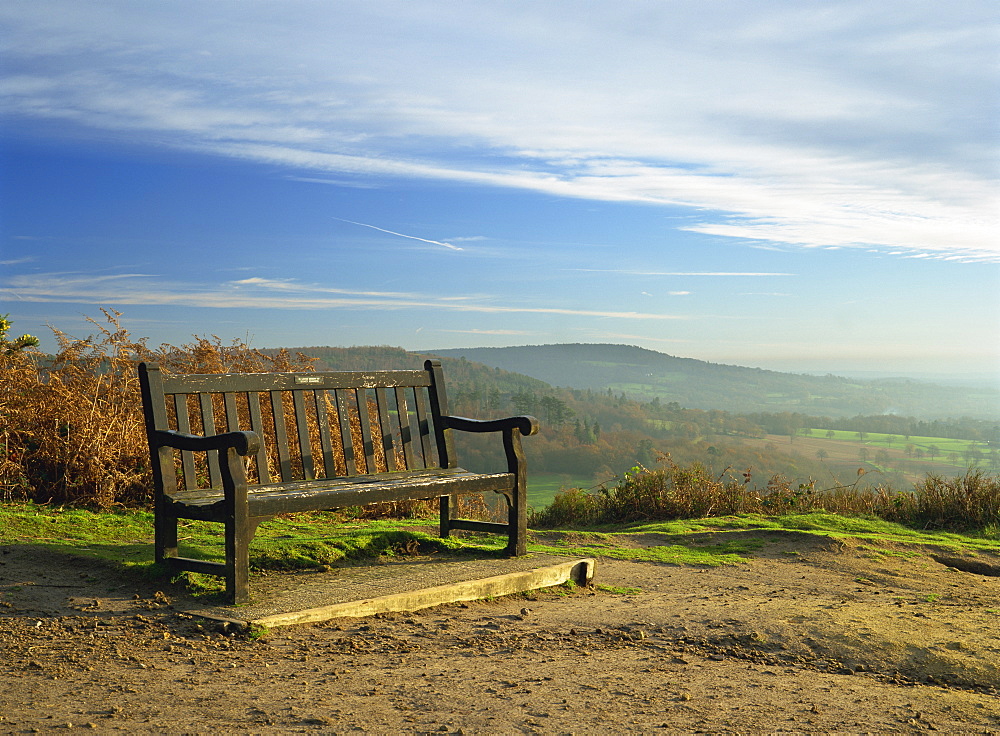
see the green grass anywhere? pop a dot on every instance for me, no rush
(618, 590)
(945, 445)
(119, 537)
(543, 487)
(318, 540)
(714, 555)
(303, 541)
(879, 552)
(833, 526)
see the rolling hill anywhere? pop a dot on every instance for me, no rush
(646, 374)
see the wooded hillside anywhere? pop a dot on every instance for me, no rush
(646, 374)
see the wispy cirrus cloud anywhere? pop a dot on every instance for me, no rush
(627, 337)
(261, 293)
(842, 125)
(644, 272)
(489, 332)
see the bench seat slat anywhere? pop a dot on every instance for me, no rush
(358, 490)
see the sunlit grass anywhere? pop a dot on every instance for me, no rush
(320, 540)
(284, 543)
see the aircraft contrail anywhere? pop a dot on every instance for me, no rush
(392, 232)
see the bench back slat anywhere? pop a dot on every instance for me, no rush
(257, 425)
(388, 450)
(325, 439)
(439, 403)
(361, 397)
(302, 431)
(184, 425)
(311, 425)
(346, 437)
(280, 438)
(207, 410)
(423, 428)
(232, 413)
(405, 430)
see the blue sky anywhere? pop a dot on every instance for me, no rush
(800, 186)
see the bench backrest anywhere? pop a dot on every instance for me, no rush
(311, 425)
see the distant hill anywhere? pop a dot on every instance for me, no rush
(646, 374)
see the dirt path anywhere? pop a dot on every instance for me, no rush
(809, 636)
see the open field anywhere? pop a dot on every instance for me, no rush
(912, 459)
(953, 450)
(543, 487)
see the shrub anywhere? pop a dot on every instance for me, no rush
(675, 492)
(72, 428)
(972, 500)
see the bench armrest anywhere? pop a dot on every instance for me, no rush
(245, 443)
(230, 445)
(527, 425)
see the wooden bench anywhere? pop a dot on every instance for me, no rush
(239, 448)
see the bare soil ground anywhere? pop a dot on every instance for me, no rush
(810, 636)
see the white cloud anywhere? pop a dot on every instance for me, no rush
(637, 339)
(638, 272)
(490, 332)
(841, 124)
(260, 293)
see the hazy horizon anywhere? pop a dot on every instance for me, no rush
(968, 378)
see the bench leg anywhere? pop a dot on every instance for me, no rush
(164, 533)
(239, 532)
(447, 513)
(517, 511)
(517, 522)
